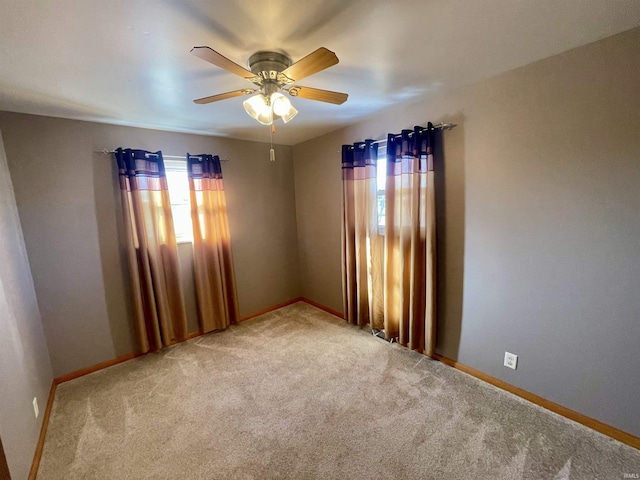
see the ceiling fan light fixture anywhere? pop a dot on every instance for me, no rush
(265, 118)
(290, 114)
(256, 106)
(280, 103)
(282, 107)
(259, 108)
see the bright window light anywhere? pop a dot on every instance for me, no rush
(178, 183)
(381, 179)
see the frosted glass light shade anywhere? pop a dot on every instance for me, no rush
(282, 107)
(258, 108)
(265, 118)
(290, 114)
(280, 103)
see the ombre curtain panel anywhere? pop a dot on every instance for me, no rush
(213, 259)
(152, 251)
(410, 240)
(389, 269)
(362, 278)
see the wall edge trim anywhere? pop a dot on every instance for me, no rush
(94, 368)
(322, 307)
(129, 356)
(37, 455)
(580, 418)
(35, 464)
(577, 417)
(270, 309)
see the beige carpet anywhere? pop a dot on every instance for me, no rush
(299, 394)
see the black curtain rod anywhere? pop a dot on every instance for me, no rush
(167, 157)
(439, 126)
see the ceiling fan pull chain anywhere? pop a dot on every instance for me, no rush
(272, 152)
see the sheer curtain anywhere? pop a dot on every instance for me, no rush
(389, 270)
(212, 255)
(152, 250)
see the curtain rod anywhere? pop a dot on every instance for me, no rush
(106, 151)
(439, 126)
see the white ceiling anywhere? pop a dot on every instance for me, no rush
(128, 62)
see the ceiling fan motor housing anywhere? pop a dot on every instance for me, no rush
(267, 65)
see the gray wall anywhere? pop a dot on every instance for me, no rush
(538, 228)
(69, 204)
(25, 370)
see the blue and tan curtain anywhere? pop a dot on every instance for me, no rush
(361, 244)
(410, 240)
(394, 261)
(212, 255)
(152, 251)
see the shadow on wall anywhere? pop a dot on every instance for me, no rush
(113, 255)
(450, 230)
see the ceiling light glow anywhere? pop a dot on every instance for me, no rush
(257, 107)
(263, 108)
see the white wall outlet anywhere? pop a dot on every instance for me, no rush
(510, 360)
(35, 406)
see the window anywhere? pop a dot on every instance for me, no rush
(178, 183)
(381, 179)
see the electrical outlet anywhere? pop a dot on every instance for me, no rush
(510, 360)
(35, 406)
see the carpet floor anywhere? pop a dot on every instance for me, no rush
(299, 394)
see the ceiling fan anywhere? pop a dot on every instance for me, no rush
(273, 73)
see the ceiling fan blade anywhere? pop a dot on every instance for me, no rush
(221, 61)
(327, 96)
(313, 63)
(224, 96)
